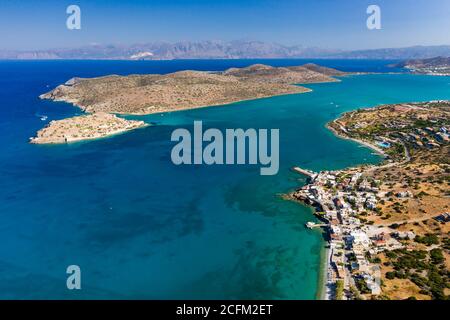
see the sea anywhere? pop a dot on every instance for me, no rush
(140, 227)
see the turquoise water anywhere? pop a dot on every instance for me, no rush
(140, 227)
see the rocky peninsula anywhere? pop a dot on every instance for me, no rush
(155, 93)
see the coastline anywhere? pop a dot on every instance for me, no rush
(362, 142)
(74, 140)
(322, 292)
(85, 127)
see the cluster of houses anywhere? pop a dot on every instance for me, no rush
(341, 198)
(428, 137)
(431, 70)
(433, 136)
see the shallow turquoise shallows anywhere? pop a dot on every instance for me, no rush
(140, 227)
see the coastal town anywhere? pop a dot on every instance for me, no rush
(387, 225)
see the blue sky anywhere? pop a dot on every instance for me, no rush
(31, 24)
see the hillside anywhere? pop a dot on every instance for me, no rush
(144, 94)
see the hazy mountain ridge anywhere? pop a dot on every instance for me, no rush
(238, 49)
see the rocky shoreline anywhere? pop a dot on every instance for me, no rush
(86, 127)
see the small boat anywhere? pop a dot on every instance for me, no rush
(43, 118)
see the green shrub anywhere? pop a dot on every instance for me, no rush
(436, 256)
(339, 289)
(390, 275)
(428, 239)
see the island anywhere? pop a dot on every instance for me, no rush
(155, 93)
(387, 225)
(92, 126)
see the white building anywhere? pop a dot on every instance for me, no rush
(359, 237)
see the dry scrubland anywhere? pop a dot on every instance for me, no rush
(145, 94)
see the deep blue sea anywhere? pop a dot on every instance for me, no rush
(140, 227)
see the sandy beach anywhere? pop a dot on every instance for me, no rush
(365, 143)
(324, 291)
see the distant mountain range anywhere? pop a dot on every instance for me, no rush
(221, 50)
